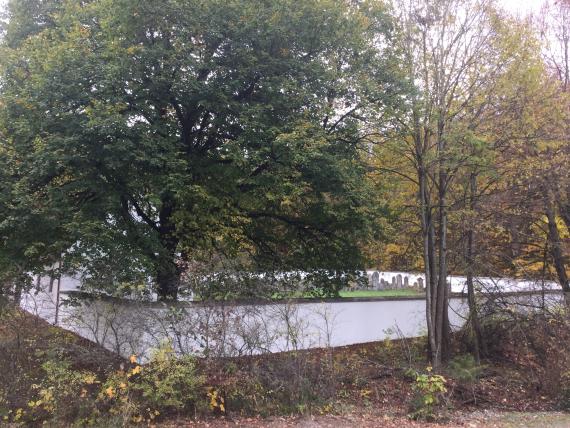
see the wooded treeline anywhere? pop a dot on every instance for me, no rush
(481, 155)
(155, 139)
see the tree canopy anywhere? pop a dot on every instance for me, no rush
(147, 136)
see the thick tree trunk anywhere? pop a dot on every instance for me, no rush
(167, 271)
(167, 278)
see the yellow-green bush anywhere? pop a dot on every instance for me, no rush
(429, 389)
(63, 393)
(166, 384)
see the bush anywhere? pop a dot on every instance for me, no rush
(169, 382)
(465, 369)
(293, 382)
(537, 343)
(64, 394)
(565, 391)
(429, 392)
(166, 384)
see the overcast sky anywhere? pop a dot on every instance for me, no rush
(520, 6)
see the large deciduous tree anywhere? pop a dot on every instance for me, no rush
(152, 134)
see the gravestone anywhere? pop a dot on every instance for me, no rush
(421, 283)
(393, 286)
(375, 281)
(406, 282)
(398, 281)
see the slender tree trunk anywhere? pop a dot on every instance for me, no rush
(446, 328)
(432, 265)
(18, 286)
(478, 342)
(17, 293)
(433, 293)
(564, 207)
(442, 316)
(565, 214)
(555, 243)
(426, 234)
(442, 271)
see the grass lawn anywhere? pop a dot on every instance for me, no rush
(352, 294)
(381, 293)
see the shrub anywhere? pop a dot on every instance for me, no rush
(465, 369)
(293, 382)
(429, 389)
(64, 393)
(565, 391)
(166, 384)
(168, 381)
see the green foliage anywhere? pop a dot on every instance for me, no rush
(429, 389)
(64, 393)
(465, 369)
(4, 406)
(169, 381)
(28, 17)
(166, 384)
(139, 134)
(51, 376)
(381, 293)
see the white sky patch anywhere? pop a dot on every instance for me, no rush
(520, 7)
